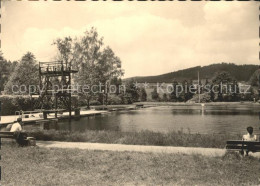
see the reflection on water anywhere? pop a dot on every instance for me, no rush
(165, 119)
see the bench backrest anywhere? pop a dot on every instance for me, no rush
(6, 133)
(239, 145)
(241, 142)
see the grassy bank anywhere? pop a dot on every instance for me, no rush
(138, 138)
(40, 166)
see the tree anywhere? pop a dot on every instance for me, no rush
(222, 77)
(234, 91)
(165, 97)
(132, 90)
(173, 95)
(97, 65)
(250, 95)
(255, 81)
(6, 68)
(188, 91)
(255, 78)
(108, 68)
(117, 82)
(223, 80)
(155, 95)
(220, 93)
(212, 93)
(24, 75)
(142, 94)
(65, 48)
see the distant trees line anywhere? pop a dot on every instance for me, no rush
(221, 87)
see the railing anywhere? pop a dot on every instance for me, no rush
(55, 66)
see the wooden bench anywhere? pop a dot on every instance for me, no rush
(239, 145)
(7, 134)
(21, 138)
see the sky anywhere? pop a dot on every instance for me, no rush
(150, 38)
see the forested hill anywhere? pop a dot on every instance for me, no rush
(239, 72)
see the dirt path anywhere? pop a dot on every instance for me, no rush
(212, 152)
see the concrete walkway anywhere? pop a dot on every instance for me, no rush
(12, 118)
(211, 152)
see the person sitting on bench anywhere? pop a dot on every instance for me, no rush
(17, 126)
(249, 137)
(19, 135)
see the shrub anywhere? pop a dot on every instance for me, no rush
(114, 100)
(94, 102)
(155, 95)
(165, 97)
(10, 104)
(204, 98)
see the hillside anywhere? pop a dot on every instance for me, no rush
(239, 72)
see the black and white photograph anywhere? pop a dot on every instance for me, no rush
(129, 93)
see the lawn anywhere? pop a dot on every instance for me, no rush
(40, 166)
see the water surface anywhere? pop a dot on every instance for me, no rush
(163, 119)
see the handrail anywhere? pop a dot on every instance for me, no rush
(51, 62)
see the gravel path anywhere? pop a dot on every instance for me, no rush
(212, 152)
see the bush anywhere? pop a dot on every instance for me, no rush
(155, 95)
(114, 100)
(94, 102)
(165, 97)
(10, 104)
(204, 98)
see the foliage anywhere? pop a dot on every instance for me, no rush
(94, 102)
(142, 94)
(114, 99)
(117, 83)
(204, 98)
(155, 95)
(10, 104)
(222, 77)
(251, 95)
(6, 68)
(96, 64)
(227, 87)
(188, 91)
(165, 97)
(24, 74)
(174, 94)
(254, 79)
(132, 91)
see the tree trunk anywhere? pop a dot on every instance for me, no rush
(88, 106)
